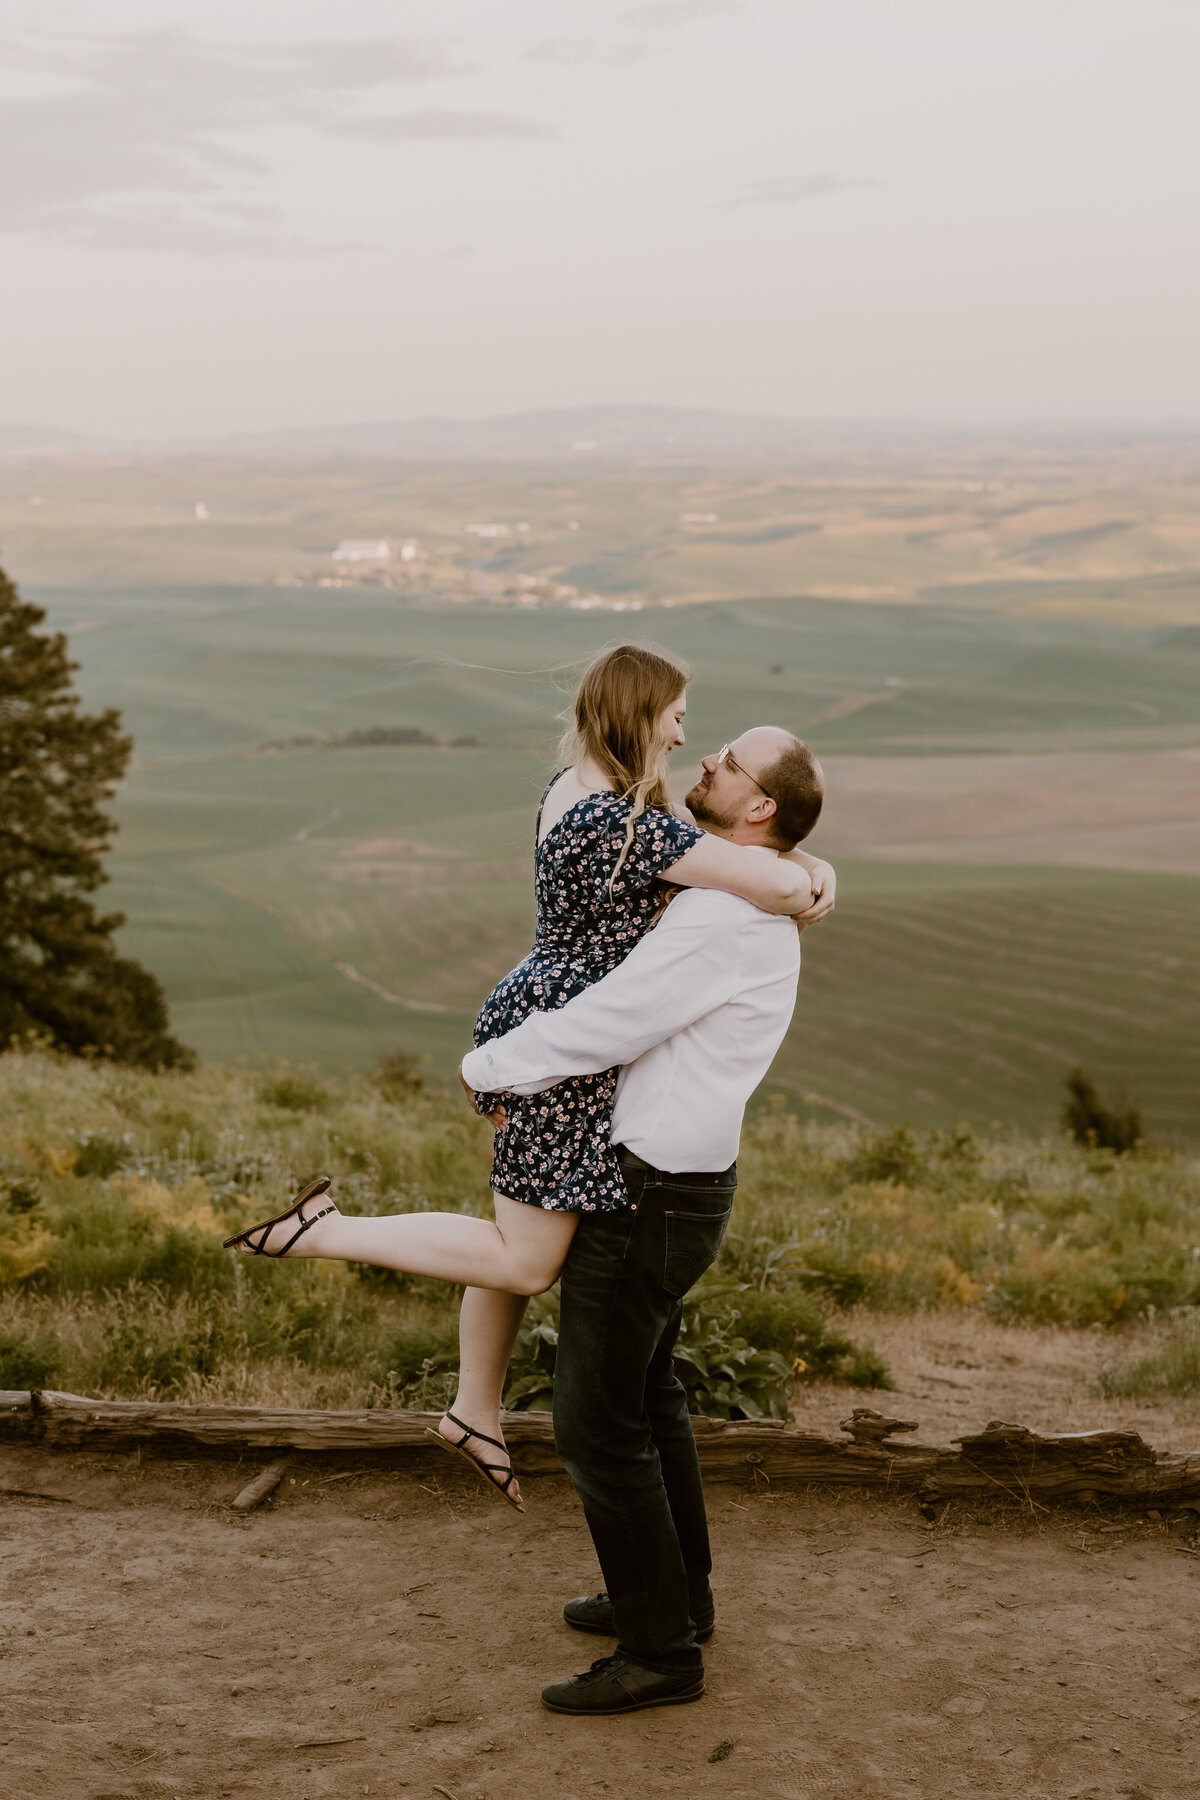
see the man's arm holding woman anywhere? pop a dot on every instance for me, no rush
(687, 966)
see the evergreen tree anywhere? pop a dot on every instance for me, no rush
(60, 975)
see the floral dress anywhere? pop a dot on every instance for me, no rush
(555, 1150)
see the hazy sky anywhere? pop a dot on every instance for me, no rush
(252, 213)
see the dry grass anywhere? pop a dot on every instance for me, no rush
(116, 1188)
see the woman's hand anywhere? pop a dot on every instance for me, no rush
(824, 889)
(497, 1118)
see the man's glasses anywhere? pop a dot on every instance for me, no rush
(725, 755)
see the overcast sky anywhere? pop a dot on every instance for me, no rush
(253, 213)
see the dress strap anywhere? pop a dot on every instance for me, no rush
(537, 824)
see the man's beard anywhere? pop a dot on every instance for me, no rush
(699, 803)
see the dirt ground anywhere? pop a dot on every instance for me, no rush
(954, 1370)
(387, 1634)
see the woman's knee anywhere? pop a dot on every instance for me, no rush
(535, 1245)
(531, 1278)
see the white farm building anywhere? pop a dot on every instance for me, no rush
(363, 550)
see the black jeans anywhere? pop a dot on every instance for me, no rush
(621, 1420)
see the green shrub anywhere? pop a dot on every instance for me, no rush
(406, 1353)
(100, 1155)
(398, 1076)
(893, 1156)
(726, 1375)
(294, 1093)
(431, 1389)
(1171, 1370)
(1089, 1121)
(28, 1361)
(101, 1243)
(152, 1346)
(794, 1325)
(18, 1197)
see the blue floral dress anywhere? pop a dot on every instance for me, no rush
(555, 1150)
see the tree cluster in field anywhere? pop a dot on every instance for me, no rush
(1090, 1120)
(62, 981)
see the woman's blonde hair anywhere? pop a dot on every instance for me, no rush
(618, 704)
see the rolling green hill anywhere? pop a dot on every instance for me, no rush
(328, 904)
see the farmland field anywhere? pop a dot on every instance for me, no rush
(1009, 731)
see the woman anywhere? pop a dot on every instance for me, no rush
(607, 839)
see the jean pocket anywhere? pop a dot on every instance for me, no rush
(693, 1241)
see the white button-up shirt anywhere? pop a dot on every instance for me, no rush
(694, 1015)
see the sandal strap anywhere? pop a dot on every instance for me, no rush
(260, 1249)
(490, 1469)
(508, 1472)
(469, 1431)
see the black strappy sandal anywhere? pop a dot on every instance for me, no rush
(488, 1470)
(313, 1191)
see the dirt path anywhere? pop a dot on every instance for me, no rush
(153, 1645)
(954, 1371)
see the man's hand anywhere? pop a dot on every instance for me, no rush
(497, 1118)
(824, 887)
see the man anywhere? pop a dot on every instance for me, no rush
(694, 1015)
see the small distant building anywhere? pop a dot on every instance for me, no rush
(201, 510)
(490, 531)
(603, 603)
(363, 550)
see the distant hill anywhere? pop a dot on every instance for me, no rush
(615, 430)
(562, 431)
(45, 440)
(576, 431)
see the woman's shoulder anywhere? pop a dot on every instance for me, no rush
(615, 810)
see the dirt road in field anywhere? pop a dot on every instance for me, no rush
(387, 1635)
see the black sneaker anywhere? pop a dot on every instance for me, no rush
(616, 1685)
(595, 1613)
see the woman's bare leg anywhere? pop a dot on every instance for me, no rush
(520, 1253)
(487, 1331)
(500, 1265)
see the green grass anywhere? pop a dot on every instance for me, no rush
(1170, 1371)
(116, 1188)
(203, 671)
(938, 992)
(951, 992)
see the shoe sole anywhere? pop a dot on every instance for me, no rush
(702, 1637)
(603, 1712)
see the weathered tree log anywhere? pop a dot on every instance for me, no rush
(1028, 1467)
(262, 1487)
(866, 1426)
(1075, 1465)
(15, 1414)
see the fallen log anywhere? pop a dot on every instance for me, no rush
(1029, 1467)
(1073, 1465)
(261, 1488)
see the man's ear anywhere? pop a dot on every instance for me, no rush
(764, 808)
